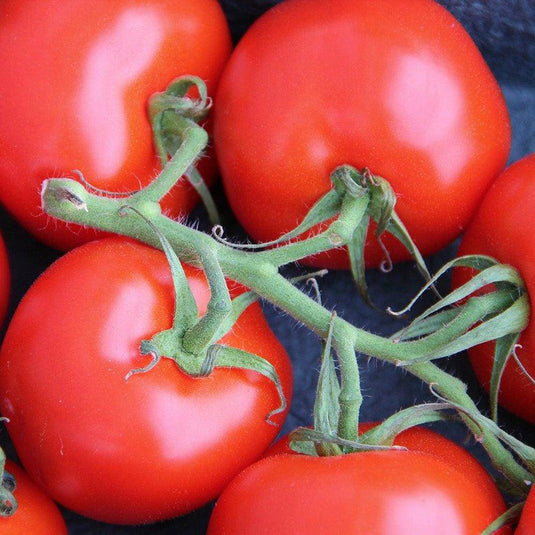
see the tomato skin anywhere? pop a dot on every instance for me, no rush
(36, 513)
(377, 493)
(77, 90)
(156, 446)
(526, 526)
(425, 441)
(502, 228)
(409, 97)
(5, 280)
(420, 439)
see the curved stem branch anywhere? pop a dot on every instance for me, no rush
(205, 331)
(69, 201)
(194, 141)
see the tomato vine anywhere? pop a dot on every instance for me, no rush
(443, 333)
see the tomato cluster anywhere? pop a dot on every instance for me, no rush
(112, 432)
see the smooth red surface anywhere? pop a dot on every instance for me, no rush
(503, 229)
(156, 446)
(398, 87)
(377, 493)
(420, 439)
(5, 280)
(75, 80)
(36, 514)
(526, 526)
(425, 441)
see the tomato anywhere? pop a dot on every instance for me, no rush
(397, 87)
(74, 92)
(502, 228)
(5, 280)
(435, 487)
(526, 526)
(157, 445)
(36, 513)
(426, 441)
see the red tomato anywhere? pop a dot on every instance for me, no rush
(156, 446)
(398, 87)
(425, 490)
(74, 92)
(426, 441)
(36, 514)
(503, 229)
(5, 280)
(526, 526)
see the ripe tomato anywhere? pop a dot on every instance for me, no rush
(36, 513)
(526, 526)
(5, 280)
(426, 441)
(156, 446)
(398, 87)
(415, 492)
(502, 228)
(74, 91)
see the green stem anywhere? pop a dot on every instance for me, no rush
(204, 332)
(194, 141)
(350, 398)
(196, 180)
(68, 200)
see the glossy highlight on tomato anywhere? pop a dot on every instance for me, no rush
(503, 229)
(74, 93)
(314, 84)
(434, 487)
(158, 445)
(36, 513)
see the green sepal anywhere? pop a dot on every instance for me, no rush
(171, 113)
(195, 178)
(175, 98)
(491, 271)
(382, 200)
(524, 452)
(302, 444)
(503, 349)
(302, 437)
(345, 181)
(185, 311)
(354, 212)
(396, 227)
(308, 276)
(327, 403)
(168, 136)
(382, 204)
(427, 325)
(324, 209)
(200, 336)
(511, 319)
(221, 356)
(239, 304)
(355, 249)
(506, 315)
(385, 433)
(509, 517)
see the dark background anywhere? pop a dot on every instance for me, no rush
(504, 32)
